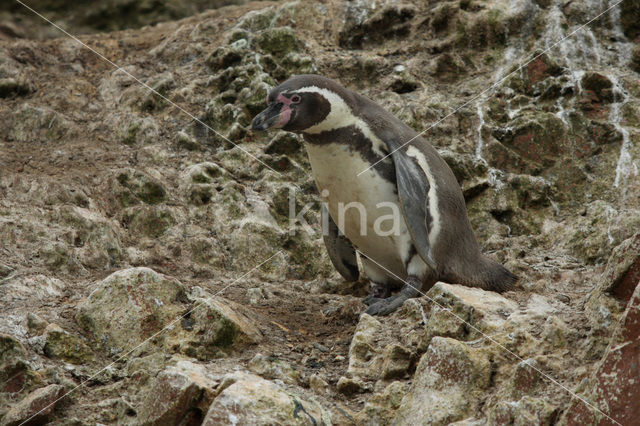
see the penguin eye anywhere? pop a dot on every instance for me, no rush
(295, 99)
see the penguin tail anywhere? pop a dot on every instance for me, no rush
(494, 277)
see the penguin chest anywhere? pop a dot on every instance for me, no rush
(366, 207)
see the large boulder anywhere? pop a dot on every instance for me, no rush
(179, 394)
(249, 399)
(129, 306)
(134, 305)
(447, 384)
(35, 408)
(613, 388)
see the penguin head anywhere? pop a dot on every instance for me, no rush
(300, 104)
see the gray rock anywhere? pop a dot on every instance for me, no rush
(349, 386)
(446, 384)
(178, 394)
(35, 407)
(249, 399)
(130, 306)
(273, 368)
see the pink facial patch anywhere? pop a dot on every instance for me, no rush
(285, 112)
(283, 100)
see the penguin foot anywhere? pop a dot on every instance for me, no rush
(371, 299)
(386, 306)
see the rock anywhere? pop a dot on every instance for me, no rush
(135, 185)
(278, 41)
(285, 144)
(255, 295)
(256, 20)
(362, 359)
(95, 237)
(54, 255)
(5, 270)
(207, 172)
(59, 344)
(35, 324)
(525, 378)
(526, 411)
(349, 386)
(35, 408)
(34, 124)
(539, 138)
(188, 142)
(369, 23)
(622, 272)
(33, 288)
(318, 384)
(273, 368)
(596, 233)
(129, 306)
(148, 221)
(396, 362)
(556, 332)
(599, 85)
(16, 375)
(484, 310)
(179, 394)
(213, 328)
(140, 131)
(10, 87)
(446, 385)
(635, 59)
(613, 387)
(381, 408)
(629, 15)
(249, 399)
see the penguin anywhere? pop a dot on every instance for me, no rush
(392, 200)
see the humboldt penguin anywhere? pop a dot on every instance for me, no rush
(404, 217)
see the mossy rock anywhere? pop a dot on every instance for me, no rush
(225, 57)
(161, 86)
(59, 344)
(540, 138)
(129, 306)
(37, 124)
(16, 376)
(296, 63)
(138, 130)
(257, 20)
(308, 258)
(141, 186)
(256, 99)
(149, 221)
(206, 251)
(594, 235)
(216, 327)
(10, 87)
(54, 255)
(278, 41)
(284, 143)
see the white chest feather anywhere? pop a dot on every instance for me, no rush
(365, 207)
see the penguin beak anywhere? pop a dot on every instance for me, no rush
(276, 115)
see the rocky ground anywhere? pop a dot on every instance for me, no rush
(150, 274)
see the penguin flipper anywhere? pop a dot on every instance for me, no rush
(340, 250)
(413, 192)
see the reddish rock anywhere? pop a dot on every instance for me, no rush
(622, 273)
(539, 69)
(16, 376)
(35, 408)
(614, 387)
(181, 394)
(525, 379)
